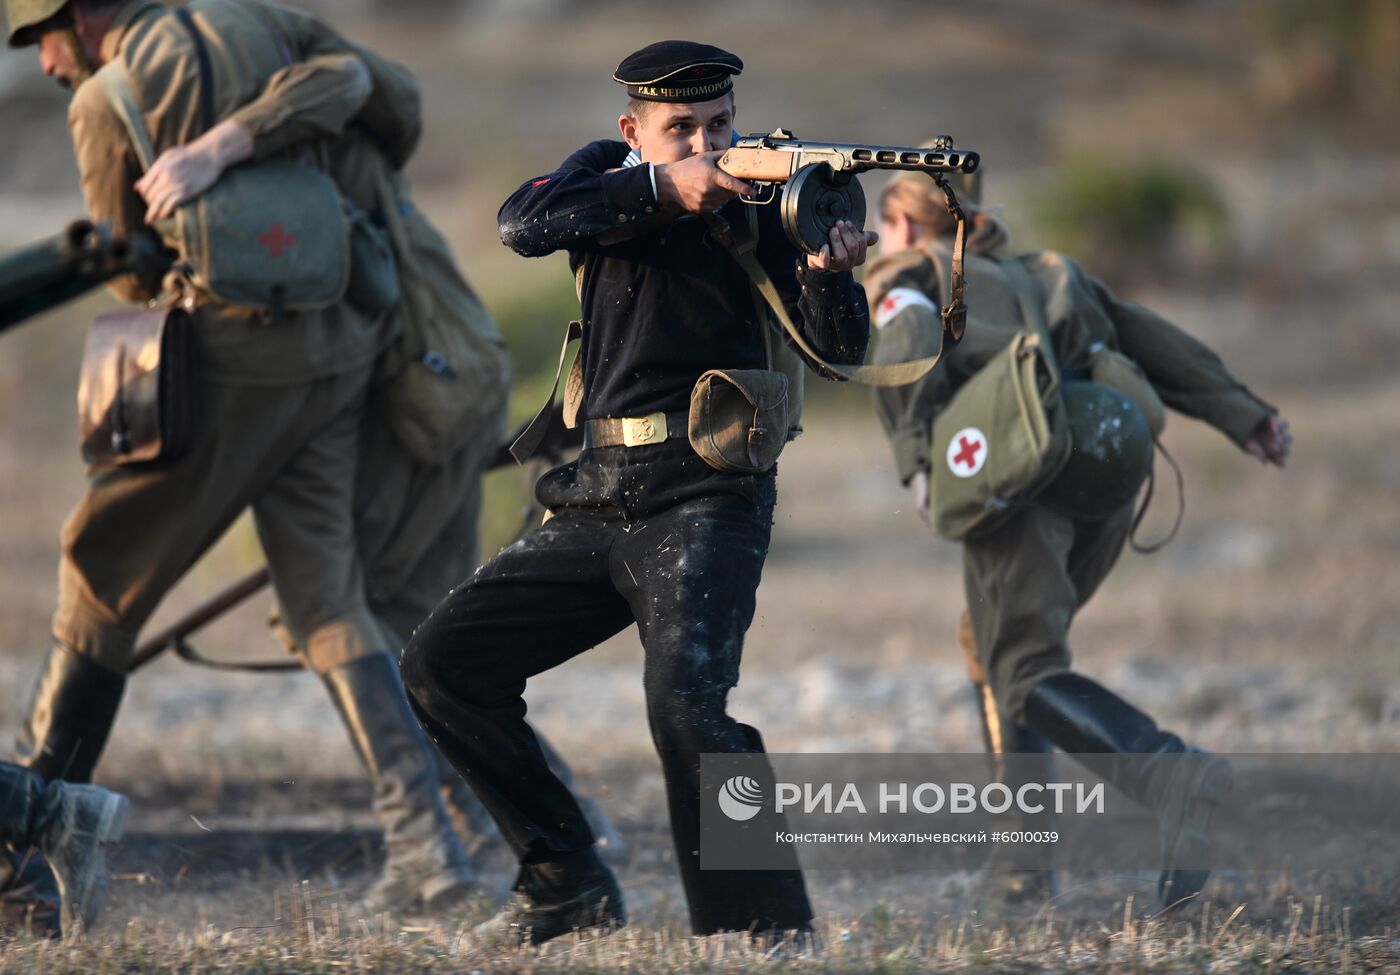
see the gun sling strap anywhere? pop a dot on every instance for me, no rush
(742, 246)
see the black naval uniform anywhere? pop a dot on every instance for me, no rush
(649, 534)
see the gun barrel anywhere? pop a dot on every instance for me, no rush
(858, 158)
(949, 160)
(60, 268)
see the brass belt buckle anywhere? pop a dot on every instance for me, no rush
(637, 431)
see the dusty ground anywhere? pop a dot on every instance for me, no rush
(1269, 625)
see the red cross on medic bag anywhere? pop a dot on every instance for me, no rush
(967, 452)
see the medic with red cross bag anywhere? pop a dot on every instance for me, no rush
(1029, 443)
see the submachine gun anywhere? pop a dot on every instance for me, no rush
(818, 181)
(58, 269)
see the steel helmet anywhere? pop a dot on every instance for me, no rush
(21, 15)
(1110, 454)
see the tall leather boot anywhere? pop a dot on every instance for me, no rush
(71, 712)
(1127, 749)
(425, 863)
(70, 716)
(1001, 736)
(72, 826)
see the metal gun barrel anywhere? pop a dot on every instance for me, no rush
(60, 268)
(858, 158)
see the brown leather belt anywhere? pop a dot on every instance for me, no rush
(636, 431)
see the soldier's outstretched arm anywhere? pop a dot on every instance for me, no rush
(1186, 373)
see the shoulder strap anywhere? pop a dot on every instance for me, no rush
(279, 38)
(1032, 307)
(112, 75)
(206, 69)
(528, 442)
(741, 248)
(525, 445)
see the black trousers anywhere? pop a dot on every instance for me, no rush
(650, 535)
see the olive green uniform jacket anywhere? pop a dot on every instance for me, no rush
(1026, 578)
(283, 404)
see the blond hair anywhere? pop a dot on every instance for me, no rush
(919, 199)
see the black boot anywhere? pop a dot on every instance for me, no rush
(70, 715)
(72, 826)
(1127, 749)
(425, 864)
(1003, 737)
(568, 892)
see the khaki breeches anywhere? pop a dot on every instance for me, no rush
(289, 452)
(1025, 581)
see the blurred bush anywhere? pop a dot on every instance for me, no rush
(1134, 220)
(1341, 55)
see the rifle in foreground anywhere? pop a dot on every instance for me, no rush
(58, 269)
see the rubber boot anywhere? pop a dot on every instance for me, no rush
(426, 866)
(70, 716)
(72, 826)
(1127, 749)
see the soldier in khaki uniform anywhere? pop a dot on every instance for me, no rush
(282, 401)
(1029, 575)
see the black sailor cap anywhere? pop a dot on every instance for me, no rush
(678, 71)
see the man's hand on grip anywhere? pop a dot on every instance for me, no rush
(696, 185)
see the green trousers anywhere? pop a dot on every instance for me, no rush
(289, 452)
(1025, 581)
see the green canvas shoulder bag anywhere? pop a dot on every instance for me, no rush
(1004, 435)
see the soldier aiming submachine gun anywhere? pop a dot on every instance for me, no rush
(58, 269)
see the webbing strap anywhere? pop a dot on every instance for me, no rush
(1147, 501)
(954, 313)
(529, 440)
(1032, 311)
(206, 70)
(741, 247)
(118, 89)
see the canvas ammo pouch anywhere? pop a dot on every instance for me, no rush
(739, 419)
(137, 395)
(271, 235)
(1113, 368)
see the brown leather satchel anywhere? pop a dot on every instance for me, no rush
(137, 396)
